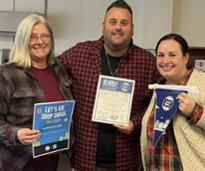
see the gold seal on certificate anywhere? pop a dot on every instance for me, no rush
(113, 100)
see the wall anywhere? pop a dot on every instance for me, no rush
(80, 20)
(19, 5)
(157, 21)
(188, 20)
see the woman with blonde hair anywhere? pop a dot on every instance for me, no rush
(32, 75)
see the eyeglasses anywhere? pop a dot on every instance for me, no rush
(35, 38)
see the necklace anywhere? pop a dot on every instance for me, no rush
(112, 63)
(108, 63)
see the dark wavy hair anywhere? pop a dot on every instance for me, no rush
(178, 38)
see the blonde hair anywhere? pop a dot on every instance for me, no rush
(20, 52)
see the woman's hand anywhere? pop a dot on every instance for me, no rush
(126, 129)
(26, 136)
(186, 104)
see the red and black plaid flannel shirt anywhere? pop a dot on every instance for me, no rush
(83, 63)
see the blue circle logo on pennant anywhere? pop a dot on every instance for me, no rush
(167, 103)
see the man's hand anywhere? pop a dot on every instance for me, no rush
(126, 129)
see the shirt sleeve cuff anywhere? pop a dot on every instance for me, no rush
(197, 114)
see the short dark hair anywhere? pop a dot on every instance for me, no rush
(120, 4)
(178, 38)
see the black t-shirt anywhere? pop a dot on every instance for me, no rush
(106, 147)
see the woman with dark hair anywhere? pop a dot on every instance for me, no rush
(183, 144)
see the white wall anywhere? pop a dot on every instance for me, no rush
(157, 21)
(19, 5)
(6, 41)
(189, 20)
(80, 20)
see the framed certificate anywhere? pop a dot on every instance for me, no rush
(53, 120)
(113, 100)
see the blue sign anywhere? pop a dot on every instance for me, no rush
(53, 120)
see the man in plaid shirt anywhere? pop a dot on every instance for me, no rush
(101, 146)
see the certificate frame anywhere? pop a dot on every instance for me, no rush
(53, 120)
(113, 100)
